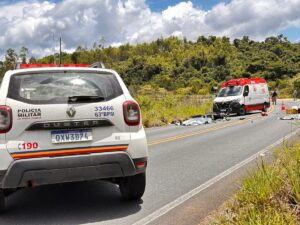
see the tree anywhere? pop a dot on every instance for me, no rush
(23, 54)
(75, 57)
(10, 59)
(221, 73)
(2, 70)
(32, 60)
(237, 43)
(173, 63)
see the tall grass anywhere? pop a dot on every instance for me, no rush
(160, 110)
(269, 196)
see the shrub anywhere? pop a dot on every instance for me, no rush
(159, 109)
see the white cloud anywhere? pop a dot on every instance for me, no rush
(257, 19)
(32, 23)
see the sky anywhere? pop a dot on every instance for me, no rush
(159, 5)
(38, 24)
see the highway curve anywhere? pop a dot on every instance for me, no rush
(181, 159)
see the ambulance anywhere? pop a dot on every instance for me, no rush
(240, 96)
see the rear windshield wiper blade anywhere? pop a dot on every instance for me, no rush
(85, 98)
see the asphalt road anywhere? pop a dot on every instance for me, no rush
(180, 160)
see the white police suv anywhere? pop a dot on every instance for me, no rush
(66, 124)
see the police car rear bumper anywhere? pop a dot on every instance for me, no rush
(42, 171)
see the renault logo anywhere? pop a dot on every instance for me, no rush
(71, 111)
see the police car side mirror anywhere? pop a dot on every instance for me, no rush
(245, 93)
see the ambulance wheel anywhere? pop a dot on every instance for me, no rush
(265, 108)
(132, 188)
(2, 201)
(242, 111)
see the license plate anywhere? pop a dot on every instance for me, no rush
(67, 136)
(223, 110)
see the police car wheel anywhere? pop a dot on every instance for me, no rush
(2, 201)
(132, 188)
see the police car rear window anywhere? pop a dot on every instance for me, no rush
(58, 88)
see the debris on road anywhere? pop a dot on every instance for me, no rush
(264, 114)
(293, 110)
(291, 117)
(226, 118)
(195, 121)
(292, 113)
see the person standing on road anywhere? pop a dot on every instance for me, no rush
(295, 93)
(274, 97)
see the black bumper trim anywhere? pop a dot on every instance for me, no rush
(42, 171)
(226, 107)
(2, 174)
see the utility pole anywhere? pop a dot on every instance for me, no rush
(60, 51)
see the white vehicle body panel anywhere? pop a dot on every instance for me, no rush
(25, 115)
(258, 94)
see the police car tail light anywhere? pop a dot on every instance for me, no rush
(131, 112)
(5, 119)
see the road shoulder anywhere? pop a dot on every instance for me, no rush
(200, 209)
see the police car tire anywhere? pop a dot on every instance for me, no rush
(132, 188)
(2, 201)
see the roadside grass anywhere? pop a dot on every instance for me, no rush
(162, 110)
(271, 195)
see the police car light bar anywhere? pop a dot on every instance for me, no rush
(28, 66)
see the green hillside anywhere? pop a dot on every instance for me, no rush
(180, 70)
(187, 67)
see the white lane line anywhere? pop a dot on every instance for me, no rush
(162, 211)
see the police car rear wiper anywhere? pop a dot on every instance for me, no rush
(85, 98)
